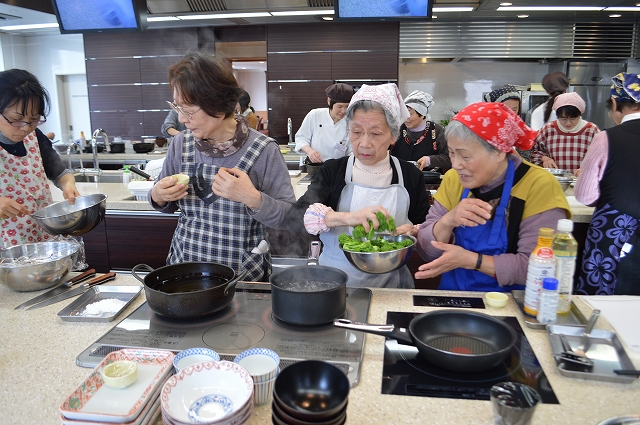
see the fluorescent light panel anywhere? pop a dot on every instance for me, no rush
(303, 12)
(550, 9)
(622, 9)
(224, 16)
(28, 27)
(162, 18)
(453, 9)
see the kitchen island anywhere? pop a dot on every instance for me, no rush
(39, 350)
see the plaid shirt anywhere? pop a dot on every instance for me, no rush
(566, 149)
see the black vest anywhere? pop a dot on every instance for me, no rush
(620, 184)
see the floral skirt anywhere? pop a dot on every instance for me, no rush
(608, 231)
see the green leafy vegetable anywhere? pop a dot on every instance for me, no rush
(378, 244)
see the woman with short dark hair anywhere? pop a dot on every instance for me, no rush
(27, 159)
(238, 181)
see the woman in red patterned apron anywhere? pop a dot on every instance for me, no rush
(27, 159)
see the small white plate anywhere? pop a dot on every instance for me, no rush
(294, 173)
(94, 401)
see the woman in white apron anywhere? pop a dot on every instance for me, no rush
(28, 161)
(349, 191)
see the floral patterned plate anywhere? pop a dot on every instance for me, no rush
(94, 401)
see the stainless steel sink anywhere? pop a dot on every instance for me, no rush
(104, 178)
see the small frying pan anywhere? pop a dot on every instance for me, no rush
(461, 341)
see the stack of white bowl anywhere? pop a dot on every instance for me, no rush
(263, 365)
(210, 393)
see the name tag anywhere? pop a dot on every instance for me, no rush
(340, 147)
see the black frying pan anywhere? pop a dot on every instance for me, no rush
(462, 341)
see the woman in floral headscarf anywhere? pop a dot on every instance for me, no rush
(421, 139)
(485, 219)
(349, 191)
(609, 180)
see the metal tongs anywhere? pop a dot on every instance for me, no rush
(577, 356)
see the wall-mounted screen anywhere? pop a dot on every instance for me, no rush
(80, 16)
(383, 10)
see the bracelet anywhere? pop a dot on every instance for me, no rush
(479, 262)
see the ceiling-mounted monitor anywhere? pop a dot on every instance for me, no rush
(81, 16)
(383, 10)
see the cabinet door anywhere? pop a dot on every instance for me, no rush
(95, 247)
(139, 240)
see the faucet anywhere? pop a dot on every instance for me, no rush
(76, 147)
(290, 131)
(94, 148)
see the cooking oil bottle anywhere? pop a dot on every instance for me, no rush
(565, 250)
(542, 264)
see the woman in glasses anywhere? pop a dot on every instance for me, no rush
(564, 142)
(350, 191)
(28, 161)
(238, 180)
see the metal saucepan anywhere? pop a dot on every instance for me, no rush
(312, 167)
(431, 177)
(309, 295)
(462, 341)
(188, 290)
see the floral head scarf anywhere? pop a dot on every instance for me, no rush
(387, 95)
(497, 125)
(421, 102)
(626, 88)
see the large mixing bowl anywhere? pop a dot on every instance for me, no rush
(36, 266)
(565, 182)
(382, 262)
(63, 218)
(558, 172)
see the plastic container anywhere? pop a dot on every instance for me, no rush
(542, 264)
(83, 140)
(126, 175)
(547, 310)
(565, 250)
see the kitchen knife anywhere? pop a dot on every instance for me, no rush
(75, 291)
(59, 289)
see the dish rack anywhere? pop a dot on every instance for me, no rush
(139, 189)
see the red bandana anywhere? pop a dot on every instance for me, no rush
(498, 125)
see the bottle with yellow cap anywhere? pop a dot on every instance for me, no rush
(542, 264)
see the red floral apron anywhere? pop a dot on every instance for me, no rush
(24, 180)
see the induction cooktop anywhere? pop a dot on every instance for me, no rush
(247, 323)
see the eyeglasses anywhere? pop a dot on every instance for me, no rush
(376, 136)
(567, 119)
(23, 123)
(179, 110)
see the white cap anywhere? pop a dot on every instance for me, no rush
(565, 225)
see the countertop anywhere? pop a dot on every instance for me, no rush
(39, 350)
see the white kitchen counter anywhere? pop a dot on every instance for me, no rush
(38, 370)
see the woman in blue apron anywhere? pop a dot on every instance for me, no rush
(609, 180)
(485, 219)
(349, 191)
(238, 181)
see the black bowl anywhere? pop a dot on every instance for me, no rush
(143, 147)
(311, 390)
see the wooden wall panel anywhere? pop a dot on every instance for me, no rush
(128, 125)
(293, 100)
(153, 123)
(96, 249)
(381, 65)
(156, 96)
(115, 98)
(162, 42)
(299, 66)
(333, 36)
(156, 70)
(113, 71)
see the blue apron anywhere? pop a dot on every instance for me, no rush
(488, 239)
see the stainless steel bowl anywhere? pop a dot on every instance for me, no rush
(558, 172)
(565, 182)
(36, 266)
(63, 218)
(382, 262)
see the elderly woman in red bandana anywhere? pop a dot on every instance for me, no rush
(485, 219)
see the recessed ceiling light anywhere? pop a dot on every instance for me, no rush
(622, 9)
(453, 9)
(327, 18)
(434, 17)
(506, 4)
(615, 15)
(523, 16)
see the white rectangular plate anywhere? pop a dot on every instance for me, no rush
(294, 173)
(95, 401)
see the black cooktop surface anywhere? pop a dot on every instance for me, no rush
(406, 373)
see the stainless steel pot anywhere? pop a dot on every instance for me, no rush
(188, 290)
(309, 295)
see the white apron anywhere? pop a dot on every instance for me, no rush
(395, 199)
(24, 180)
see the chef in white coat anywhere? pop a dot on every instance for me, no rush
(323, 133)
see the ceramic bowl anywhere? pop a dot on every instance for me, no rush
(186, 358)
(120, 374)
(496, 299)
(222, 388)
(261, 363)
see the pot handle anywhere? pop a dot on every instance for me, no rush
(139, 267)
(399, 334)
(314, 253)
(234, 281)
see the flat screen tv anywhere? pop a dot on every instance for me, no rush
(383, 10)
(81, 16)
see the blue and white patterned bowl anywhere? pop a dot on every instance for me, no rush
(191, 356)
(262, 363)
(210, 408)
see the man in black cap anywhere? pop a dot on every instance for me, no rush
(323, 133)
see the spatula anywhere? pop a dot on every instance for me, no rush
(582, 347)
(571, 358)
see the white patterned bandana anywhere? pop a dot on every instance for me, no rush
(387, 95)
(420, 102)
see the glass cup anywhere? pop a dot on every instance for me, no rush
(513, 403)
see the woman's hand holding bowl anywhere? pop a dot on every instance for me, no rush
(168, 190)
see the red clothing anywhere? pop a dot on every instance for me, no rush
(566, 149)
